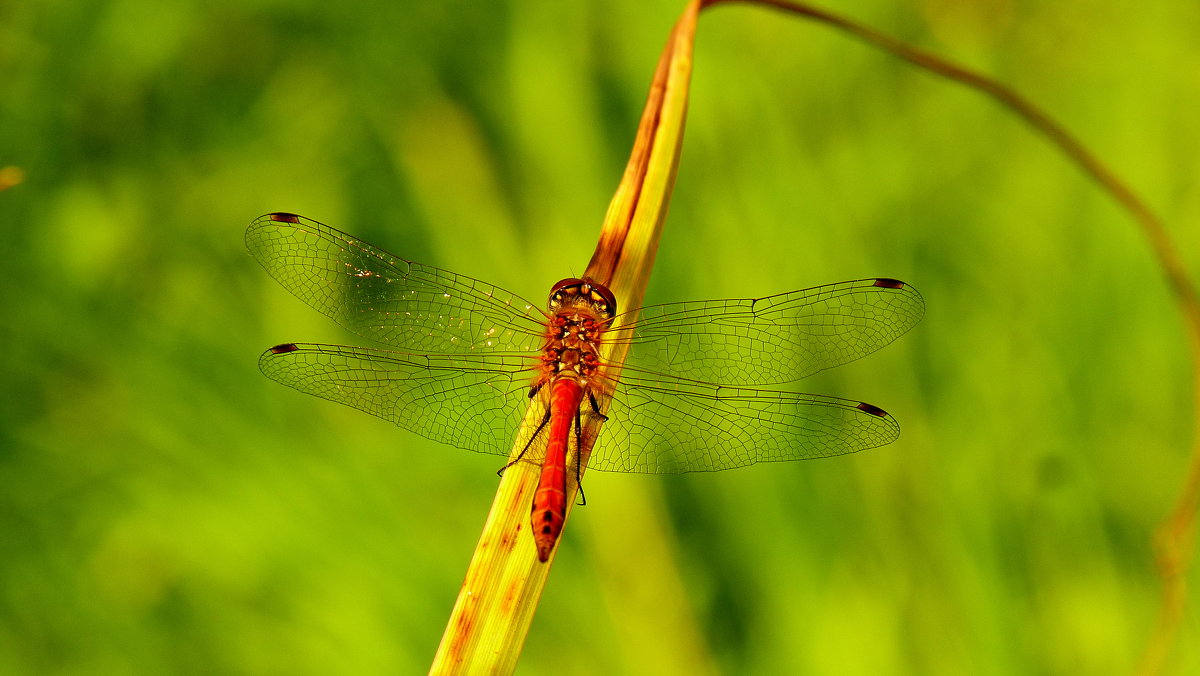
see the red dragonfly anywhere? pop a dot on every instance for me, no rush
(470, 357)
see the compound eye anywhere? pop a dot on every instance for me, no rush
(563, 285)
(604, 298)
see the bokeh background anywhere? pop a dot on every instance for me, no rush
(166, 509)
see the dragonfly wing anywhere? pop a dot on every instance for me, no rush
(661, 428)
(475, 402)
(389, 299)
(772, 340)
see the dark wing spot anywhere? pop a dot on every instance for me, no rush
(285, 348)
(873, 410)
(548, 516)
(283, 217)
(546, 529)
(889, 283)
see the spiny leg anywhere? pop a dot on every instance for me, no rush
(579, 456)
(579, 444)
(536, 434)
(596, 406)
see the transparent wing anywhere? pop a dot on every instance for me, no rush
(388, 299)
(772, 340)
(477, 402)
(660, 428)
(470, 390)
(474, 401)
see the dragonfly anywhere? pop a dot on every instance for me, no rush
(465, 359)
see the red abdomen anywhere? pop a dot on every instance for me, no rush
(550, 500)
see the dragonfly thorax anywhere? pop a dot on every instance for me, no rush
(572, 345)
(580, 310)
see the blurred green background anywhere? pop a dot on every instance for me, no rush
(166, 509)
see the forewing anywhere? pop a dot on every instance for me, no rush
(772, 340)
(696, 427)
(388, 299)
(474, 401)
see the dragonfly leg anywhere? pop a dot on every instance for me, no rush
(578, 456)
(536, 433)
(596, 406)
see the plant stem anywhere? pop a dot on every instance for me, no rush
(504, 580)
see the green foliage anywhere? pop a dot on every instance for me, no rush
(166, 509)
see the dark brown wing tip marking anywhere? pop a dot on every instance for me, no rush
(864, 407)
(283, 217)
(284, 349)
(889, 283)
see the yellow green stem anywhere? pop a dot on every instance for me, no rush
(504, 580)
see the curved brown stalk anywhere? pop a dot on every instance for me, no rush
(1175, 536)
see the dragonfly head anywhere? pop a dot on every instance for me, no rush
(572, 293)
